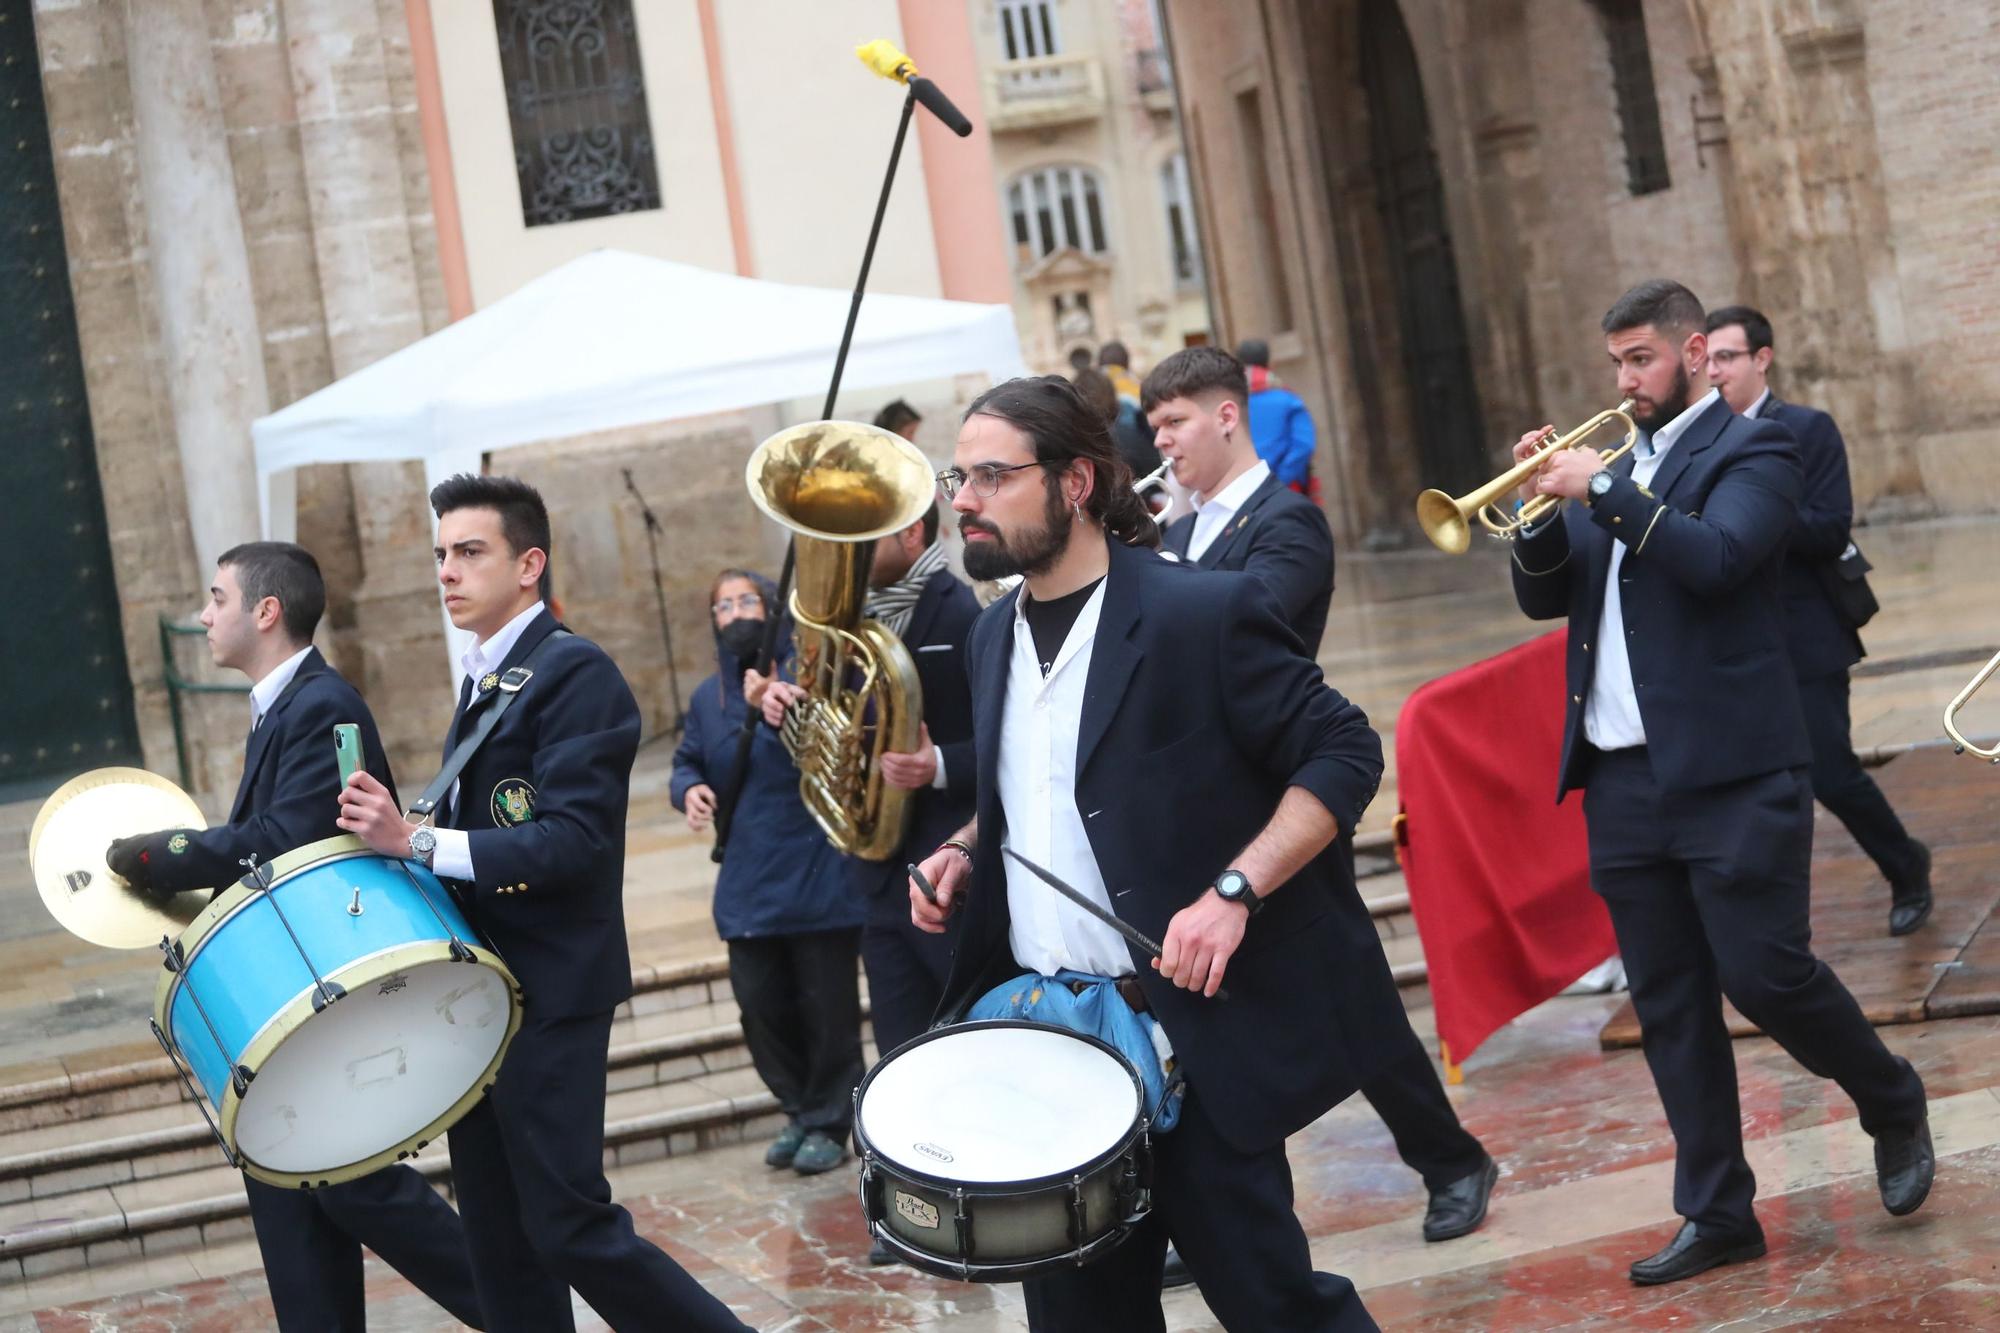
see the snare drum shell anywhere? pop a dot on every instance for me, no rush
(255, 988)
(1017, 1229)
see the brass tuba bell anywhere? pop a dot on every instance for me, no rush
(838, 486)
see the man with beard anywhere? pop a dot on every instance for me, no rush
(1114, 695)
(1685, 734)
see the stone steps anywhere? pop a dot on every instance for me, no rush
(113, 1163)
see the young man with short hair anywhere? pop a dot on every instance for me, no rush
(262, 609)
(532, 836)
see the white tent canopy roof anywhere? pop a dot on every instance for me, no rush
(615, 339)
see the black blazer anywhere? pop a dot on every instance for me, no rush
(1198, 686)
(1699, 590)
(1822, 638)
(290, 791)
(1282, 538)
(544, 800)
(940, 624)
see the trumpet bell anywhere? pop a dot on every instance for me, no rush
(1447, 525)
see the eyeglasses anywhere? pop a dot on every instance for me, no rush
(985, 479)
(1726, 357)
(744, 604)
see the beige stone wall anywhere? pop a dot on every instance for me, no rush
(317, 109)
(1828, 163)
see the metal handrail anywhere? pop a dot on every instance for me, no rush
(177, 685)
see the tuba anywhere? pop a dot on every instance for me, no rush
(839, 485)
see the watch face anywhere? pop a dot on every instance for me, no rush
(1232, 884)
(1600, 483)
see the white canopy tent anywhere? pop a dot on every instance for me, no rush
(613, 340)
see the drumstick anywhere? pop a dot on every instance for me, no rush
(1131, 934)
(917, 877)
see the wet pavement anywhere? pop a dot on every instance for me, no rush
(1586, 1158)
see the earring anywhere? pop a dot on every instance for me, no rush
(1076, 507)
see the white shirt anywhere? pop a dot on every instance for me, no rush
(1611, 713)
(1757, 408)
(266, 691)
(1039, 724)
(453, 858)
(1212, 515)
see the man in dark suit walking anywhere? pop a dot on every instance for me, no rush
(1109, 662)
(1245, 519)
(532, 837)
(1684, 732)
(263, 607)
(1824, 640)
(913, 591)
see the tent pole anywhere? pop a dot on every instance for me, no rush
(725, 808)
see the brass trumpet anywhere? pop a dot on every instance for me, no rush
(1959, 744)
(1447, 521)
(1156, 478)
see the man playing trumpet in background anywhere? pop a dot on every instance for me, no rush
(1685, 734)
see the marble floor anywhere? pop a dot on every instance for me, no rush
(1585, 1153)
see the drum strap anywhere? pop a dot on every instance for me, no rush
(510, 685)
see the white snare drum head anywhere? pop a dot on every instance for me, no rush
(377, 1069)
(993, 1105)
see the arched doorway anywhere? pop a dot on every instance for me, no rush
(1449, 439)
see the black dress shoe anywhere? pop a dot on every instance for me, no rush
(1911, 904)
(1905, 1164)
(1690, 1252)
(1457, 1209)
(1175, 1272)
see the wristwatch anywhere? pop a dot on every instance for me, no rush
(424, 845)
(1599, 485)
(1233, 886)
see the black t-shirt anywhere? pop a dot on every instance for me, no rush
(1049, 622)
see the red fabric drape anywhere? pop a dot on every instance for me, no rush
(1498, 873)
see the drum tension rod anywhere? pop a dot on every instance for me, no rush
(193, 1096)
(461, 952)
(176, 963)
(962, 1225)
(324, 992)
(1079, 1217)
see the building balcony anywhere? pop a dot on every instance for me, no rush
(1156, 81)
(1045, 91)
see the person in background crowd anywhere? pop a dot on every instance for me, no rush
(783, 902)
(1116, 363)
(900, 418)
(1825, 640)
(1280, 425)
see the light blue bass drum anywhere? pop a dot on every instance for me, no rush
(338, 1012)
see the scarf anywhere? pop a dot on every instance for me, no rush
(894, 604)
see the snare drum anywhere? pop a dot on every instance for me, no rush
(338, 1012)
(997, 1151)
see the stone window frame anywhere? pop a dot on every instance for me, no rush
(1018, 21)
(1081, 226)
(1637, 95)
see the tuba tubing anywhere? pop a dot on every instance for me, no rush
(837, 486)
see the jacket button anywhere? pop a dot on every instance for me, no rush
(1576, 698)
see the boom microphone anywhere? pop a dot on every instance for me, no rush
(881, 56)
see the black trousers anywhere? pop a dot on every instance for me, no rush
(1841, 785)
(1709, 897)
(1411, 1100)
(907, 970)
(311, 1243)
(528, 1166)
(1229, 1213)
(800, 997)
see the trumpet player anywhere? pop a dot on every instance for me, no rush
(1685, 735)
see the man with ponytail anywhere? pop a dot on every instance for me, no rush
(1116, 697)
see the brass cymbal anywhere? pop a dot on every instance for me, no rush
(66, 848)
